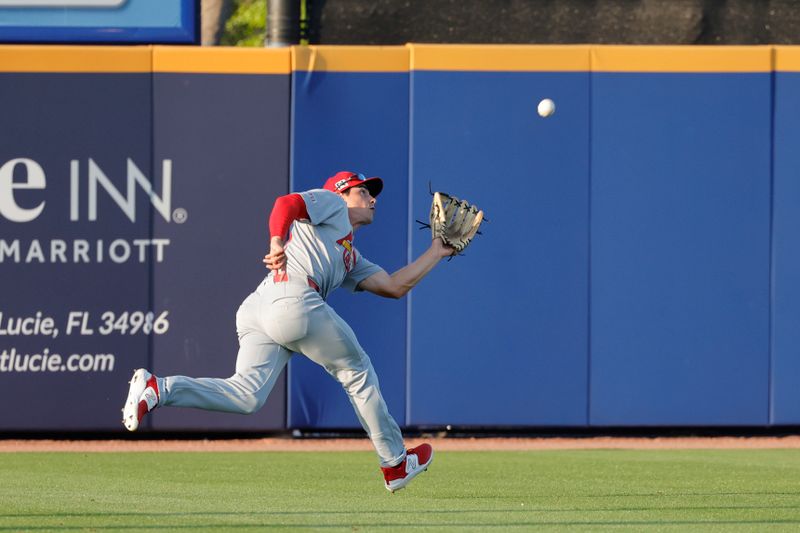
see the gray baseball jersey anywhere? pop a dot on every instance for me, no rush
(322, 247)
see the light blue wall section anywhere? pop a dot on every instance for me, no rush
(680, 249)
(137, 13)
(123, 21)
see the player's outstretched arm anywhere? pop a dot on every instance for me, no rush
(398, 284)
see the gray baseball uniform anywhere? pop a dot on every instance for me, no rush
(288, 313)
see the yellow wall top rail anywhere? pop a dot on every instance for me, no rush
(411, 57)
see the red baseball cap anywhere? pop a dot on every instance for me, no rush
(341, 181)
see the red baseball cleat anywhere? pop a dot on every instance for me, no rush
(416, 461)
(143, 396)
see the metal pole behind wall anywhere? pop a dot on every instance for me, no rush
(283, 22)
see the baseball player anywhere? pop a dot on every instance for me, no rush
(311, 253)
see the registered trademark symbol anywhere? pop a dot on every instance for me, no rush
(180, 215)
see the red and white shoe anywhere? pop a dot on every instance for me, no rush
(417, 460)
(143, 396)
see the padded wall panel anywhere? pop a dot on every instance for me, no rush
(350, 112)
(511, 348)
(785, 393)
(75, 261)
(680, 239)
(226, 137)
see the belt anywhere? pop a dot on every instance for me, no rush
(284, 277)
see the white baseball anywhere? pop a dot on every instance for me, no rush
(546, 107)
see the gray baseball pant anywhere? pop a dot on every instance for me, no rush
(273, 322)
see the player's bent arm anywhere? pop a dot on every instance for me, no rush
(286, 210)
(398, 284)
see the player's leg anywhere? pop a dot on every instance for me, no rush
(331, 343)
(258, 366)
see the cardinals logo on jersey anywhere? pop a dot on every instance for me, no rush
(349, 254)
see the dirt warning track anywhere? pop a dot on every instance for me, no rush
(442, 444)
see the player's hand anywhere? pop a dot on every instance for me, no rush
(276, 258)
(441, 248)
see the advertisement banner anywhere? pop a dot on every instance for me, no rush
(77, 198)
(233, 162)
(133, 221)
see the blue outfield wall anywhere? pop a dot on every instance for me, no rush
(355, 120)
(785, 361)
(640, 266)
(680, 249)
(625, 276)
(499, 336)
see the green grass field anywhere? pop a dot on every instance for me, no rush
(587, 490)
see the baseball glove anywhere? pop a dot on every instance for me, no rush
(455, 221)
